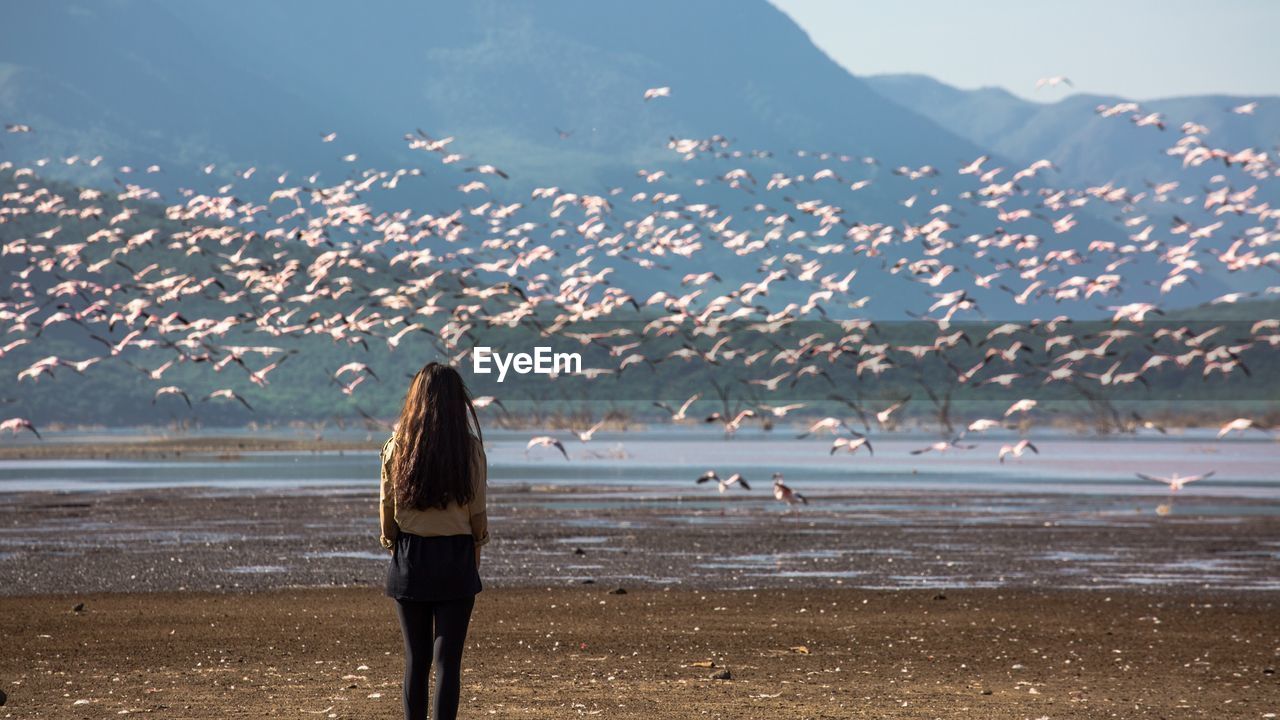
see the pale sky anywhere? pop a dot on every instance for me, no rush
(1140, 49)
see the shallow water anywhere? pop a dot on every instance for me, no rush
(656, 462)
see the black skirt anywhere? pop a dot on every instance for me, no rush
(432, 569)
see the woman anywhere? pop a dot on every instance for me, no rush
(433, 521)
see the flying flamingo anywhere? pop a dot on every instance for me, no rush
(1054, 81)
(171, 390)
(827, 424)
(1240, 425)
(681, 414)
(227, 394)
(546, 441)
(723, 484)
(586, 435)
(943, 446)
(13, 425)
(485, 401)
(851, 445)
(1017, 449)
(883, 415)
(1175, 481)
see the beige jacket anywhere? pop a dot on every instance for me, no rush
(469, 519)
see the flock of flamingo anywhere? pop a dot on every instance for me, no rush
(497, 261)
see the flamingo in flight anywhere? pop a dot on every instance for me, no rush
(1175, 481)
(723, 483)
(546, 441)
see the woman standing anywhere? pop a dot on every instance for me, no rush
(433, 521)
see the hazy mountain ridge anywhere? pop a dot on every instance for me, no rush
(497, 76)
(1088, 148)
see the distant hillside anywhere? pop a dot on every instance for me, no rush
(550, 92)
(1088, 148)
(186, 84)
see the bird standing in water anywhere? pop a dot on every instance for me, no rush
(785, 494)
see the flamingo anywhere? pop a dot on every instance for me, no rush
(681, 414)
(1021, 406)
(851, 445)
(485, 401)
(943, 446)
(488, 170)
(1017, 449)
(227, 394)
(827, 424)
(546, 441)
(1175, 481)
(785, 494)
(723, 484)
(1054, 81)
(883, 415)
(356, 367)
(13, 425)
(586, 435)
(171, 390)
(779, 411)
(1240, 425)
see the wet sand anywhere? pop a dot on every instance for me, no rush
(569, 652)
(204, 602)
(218, 539)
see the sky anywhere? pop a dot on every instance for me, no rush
(1140, 49)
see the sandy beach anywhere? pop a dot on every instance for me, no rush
(569, 652)
(239, 598)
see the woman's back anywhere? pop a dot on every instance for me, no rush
(466, 519)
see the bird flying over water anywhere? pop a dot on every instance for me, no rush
(1017, 449)
(546, 441)
(13, 425)
(723, 484)
(1175, 481)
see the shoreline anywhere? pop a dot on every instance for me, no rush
(232, 446)
(221, 447)
(558, 652)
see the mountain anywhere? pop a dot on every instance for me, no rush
(1087, 148)
(186, 84)
(237, 87)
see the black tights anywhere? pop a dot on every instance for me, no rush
(433, 631)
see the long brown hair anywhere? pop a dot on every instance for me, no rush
(435, 441)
